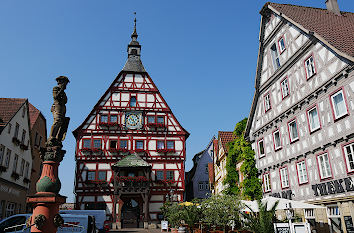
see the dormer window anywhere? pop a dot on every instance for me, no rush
(275, 56)
(132, 102)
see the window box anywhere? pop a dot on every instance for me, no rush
(16, 141)
(96, 150)
(139, 150)
(339, 105)
(163, 150)
(156, 125)
(26, 180)
(122, 150)
(86, 149)
(15, 175)
(109, 124)
(23, 147)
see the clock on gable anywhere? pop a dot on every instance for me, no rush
(133, 120)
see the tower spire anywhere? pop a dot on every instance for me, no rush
(134, 48)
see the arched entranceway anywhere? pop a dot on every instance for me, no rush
(131, 212)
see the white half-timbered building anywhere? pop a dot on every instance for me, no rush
(132, 130)
(301, 123)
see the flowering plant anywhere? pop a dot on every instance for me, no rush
(157, 125)
(163, 150)
(96, 149)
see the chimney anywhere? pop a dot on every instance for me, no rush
(332, 6)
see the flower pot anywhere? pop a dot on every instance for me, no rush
(174, 230)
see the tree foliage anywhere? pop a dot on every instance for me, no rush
(241, 151)
(261, 221)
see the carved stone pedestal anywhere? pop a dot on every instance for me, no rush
(47, 200)
(47, 205)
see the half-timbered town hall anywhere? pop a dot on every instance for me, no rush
(130, 149)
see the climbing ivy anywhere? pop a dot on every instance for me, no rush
(241, 151)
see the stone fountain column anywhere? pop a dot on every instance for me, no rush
(46, 201)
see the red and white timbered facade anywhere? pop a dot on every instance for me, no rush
(131, 117)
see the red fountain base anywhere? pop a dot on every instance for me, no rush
(47, 205)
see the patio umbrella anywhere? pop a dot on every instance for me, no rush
(283, 204)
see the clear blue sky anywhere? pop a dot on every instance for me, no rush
(201, 55)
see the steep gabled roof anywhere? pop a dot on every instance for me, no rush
(8, 108)
(225, 137)
(34, 113)
(335, 31)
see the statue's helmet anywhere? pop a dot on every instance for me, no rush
(62, 78)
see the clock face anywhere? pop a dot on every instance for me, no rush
(133, 120)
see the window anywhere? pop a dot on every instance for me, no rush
(132, 101)
(276, 140)
(159, 175)
(293, 133)
(23, 137)
(267, 105)
(284, 177)
(333, 211)
(26, 175)
(86, 143)
(313, 119)
(170, 145)
(16, 130)
(170, 175)
(97, 143)
(91, 175)
(123, 144)
(261, 148)
(338, 103)
(285, 88)
(22, 167)
(266, 182)
(160, 145)
(10, 209)
(309, 213)
(2, 152)
(275, 57)
(7, 158)
(201, 186)
(9, 129)
(113, 118)
(310, 67)
(113, 144)
(160, 120)
(36, 139)
(349, 156)
(101, 175)
(14, 168)
(140, 145)
(104, 119)
(281, 44)
(302, 172)
(151, 119)
(324, 166)
(206, 169)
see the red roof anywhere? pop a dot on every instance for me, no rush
(225, 137)
(34, 114)
(338, 31)
(211, 172)
(8, 108)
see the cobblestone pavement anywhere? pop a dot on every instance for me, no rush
(137, 230)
